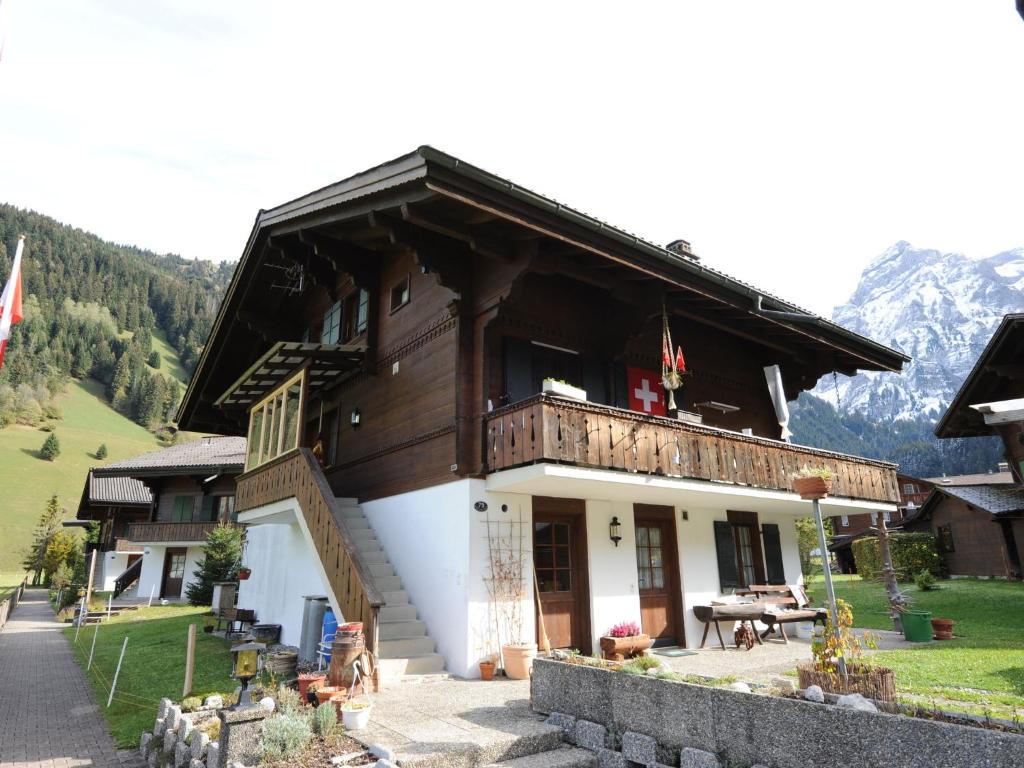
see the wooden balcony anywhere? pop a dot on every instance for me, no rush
(546, 428)
(297, 475)
(156, 533)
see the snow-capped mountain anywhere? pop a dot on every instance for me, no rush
(939, 308)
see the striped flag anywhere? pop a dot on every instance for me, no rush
(10, 301)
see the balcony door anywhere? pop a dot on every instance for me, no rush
(174, 572)
(657, 565)
(560, 568)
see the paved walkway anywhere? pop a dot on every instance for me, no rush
(48, 717)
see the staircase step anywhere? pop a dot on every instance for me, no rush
(564, 757)
(388, 584)
(362, 534)
(397, 612)
(347, 501)
(404, 648)
(355, 524)
(374, 556)
(394, 670)
(394, 597)
(367, 544)
(381, 570)
(400, 630)
(352, 513)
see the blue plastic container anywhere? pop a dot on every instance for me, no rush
(330, 629)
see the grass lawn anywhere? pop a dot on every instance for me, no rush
(982, 670)
(8, 581)
(154, 665)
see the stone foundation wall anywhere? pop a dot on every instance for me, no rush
(749, 729)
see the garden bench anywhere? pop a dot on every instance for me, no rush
(789, 604)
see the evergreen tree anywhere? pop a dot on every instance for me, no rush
(222, 555)
(101, 452)
(154, 359)
(60, 551)
(48, 525)
(121, 378)
(51, 447)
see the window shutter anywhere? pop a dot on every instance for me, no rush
(207, 514)
(776, 572)
(594, 380)
(518, 371)
(725, 546)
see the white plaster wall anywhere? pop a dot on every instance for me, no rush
(614, 596)
(284, 570)
(193, 557)
(152, 571)
(113, 564)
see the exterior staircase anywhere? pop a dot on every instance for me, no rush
(405, 650)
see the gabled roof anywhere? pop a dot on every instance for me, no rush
(112, 491)
(997, 375)
(428, 173)
(981, 478)
(207, 454)
(996, 500)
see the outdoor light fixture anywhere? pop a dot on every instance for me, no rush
(356, 418)
(247, 658)
(613, 531)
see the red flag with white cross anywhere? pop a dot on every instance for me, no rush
(646, 394)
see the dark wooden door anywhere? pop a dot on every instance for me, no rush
(560, 567)
(657, 565)
(174, 572)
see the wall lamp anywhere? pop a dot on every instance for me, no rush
(614, 531)
(356, 418)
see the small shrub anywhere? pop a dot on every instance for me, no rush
(51, 448)
(288, 699)
(925, 581)
(284, 735)
(101, 452)
(191, 703)
(325, 720)
(911, 553)
(640, 665)
(675, 677)
(625, 629)
(211, 727)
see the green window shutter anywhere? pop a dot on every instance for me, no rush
(725, 546)
(182, 511)
(773, 554)
(207, 514)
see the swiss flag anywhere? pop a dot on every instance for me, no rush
(646, 394)
(10, 301)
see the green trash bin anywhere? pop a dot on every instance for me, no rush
(917, 626)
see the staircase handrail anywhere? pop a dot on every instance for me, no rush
(128, 577)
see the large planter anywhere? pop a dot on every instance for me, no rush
(811, 488)
(519, 660)
(873, 682)
(942, 629)
(620, 648)
(917, 626)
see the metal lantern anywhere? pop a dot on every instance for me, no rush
(248, 660)
(614, 531)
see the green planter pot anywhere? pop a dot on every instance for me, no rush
(917, 626)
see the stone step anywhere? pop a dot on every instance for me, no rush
(362, 534)
(564, 757)
(356, 524)
(394, 597)
(406, 647)
(397, 612)
(394, 670)
(400, 630)
(388, 584)
(347, 501)
(374, 556)
(381, 570)
(352, 513)
(367, 543)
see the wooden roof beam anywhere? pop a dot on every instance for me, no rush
(485, 246)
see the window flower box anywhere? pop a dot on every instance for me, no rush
(563, 389)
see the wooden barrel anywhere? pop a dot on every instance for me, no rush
(345, 651)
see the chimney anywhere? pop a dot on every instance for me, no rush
(1004, 466)
(682, 248)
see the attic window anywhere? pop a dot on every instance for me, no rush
(400, 294)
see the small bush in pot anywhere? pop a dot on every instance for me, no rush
(813, 483)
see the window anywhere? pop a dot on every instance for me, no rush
(182, 509)
(274, 423)
(176, 568)
(552, 556)
(332, 325)
(909, 488)
(224, 509)
(400, 294)
(748, 551)
(649, 560)
(744, 535)
(887, 515)
(944, 534)
(874, 518)
(844, 521)
(357, 306)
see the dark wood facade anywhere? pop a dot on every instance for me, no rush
(475, 290)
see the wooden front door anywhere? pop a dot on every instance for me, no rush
(657, 565)
(174, 572)
(560, 568)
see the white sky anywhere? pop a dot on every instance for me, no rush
(789, 142)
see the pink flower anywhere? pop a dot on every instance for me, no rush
(625, 629)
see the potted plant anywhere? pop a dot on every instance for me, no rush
(563, 388)
(244, 573)
(487, 667)
(355, 714)
(623, 641)
(325, 692)
(813, 483)
(308, 682)
(942, 629)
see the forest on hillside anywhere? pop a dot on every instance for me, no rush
(91, 310)
(909, 443)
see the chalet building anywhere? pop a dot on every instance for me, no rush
(406, 322)
(979, 520)
(848, 528)
(156, 510)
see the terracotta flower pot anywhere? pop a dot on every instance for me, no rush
(326, 692)
(307, 678)
(942, 629)
(812, 487)
(487, 670)
(519, 660)
(620, 648)
(244, 573)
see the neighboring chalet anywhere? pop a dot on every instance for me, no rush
(403, 322)
(156, 510)
(848, 528)
(979, 526)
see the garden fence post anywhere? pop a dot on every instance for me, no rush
(152, 590)
(833, 612)
(93, 649)
(117, 671)
(81, 620)
(190, 659)
(92, 571)
(110, 600)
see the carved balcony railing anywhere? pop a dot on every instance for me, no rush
(546, 428)
(156, 533)
(297, 475)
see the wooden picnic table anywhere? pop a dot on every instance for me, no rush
(775, 605)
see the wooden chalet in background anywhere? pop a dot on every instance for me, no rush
(408, 317)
